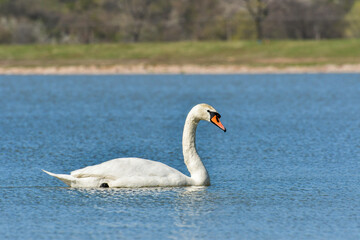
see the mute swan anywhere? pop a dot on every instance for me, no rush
(137, 172)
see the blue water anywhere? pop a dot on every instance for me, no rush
(287, 168)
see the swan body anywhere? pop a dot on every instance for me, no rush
(137, 172)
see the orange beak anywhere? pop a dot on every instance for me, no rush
(215, 120)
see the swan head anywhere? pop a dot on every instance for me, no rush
(207, 113)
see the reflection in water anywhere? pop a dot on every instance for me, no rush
(184, 207)
(189, 209)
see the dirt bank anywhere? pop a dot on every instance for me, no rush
(176, 69)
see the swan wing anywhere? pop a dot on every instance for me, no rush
(126, 167)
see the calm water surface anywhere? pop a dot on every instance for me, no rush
(287, 168)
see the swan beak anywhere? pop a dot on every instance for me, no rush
(215, 120)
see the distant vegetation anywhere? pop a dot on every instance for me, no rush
(242, 53)
(99, 21)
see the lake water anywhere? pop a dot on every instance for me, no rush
(288, 166)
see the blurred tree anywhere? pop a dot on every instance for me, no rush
(353, 21)
(196, 17)
(88, 21)
(137, 12)
(306, 19)
(5, 31)
(230, 9)
(33, 19)
(245, 28)
(258, 10)
(158, 24)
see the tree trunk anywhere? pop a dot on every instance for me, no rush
(259, 29)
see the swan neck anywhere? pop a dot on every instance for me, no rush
(192, 159)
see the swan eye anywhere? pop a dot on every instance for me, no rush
(214, 114)
(215, 119)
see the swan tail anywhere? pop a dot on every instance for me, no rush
(67, 179)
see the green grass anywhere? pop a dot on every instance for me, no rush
(244, 53)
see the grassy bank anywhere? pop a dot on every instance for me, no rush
(244, 53)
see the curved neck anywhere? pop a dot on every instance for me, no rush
(192, 160)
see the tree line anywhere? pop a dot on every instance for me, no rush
(91, 21)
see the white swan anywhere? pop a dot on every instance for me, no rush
(137, 172)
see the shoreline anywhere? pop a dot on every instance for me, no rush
(175, 69)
